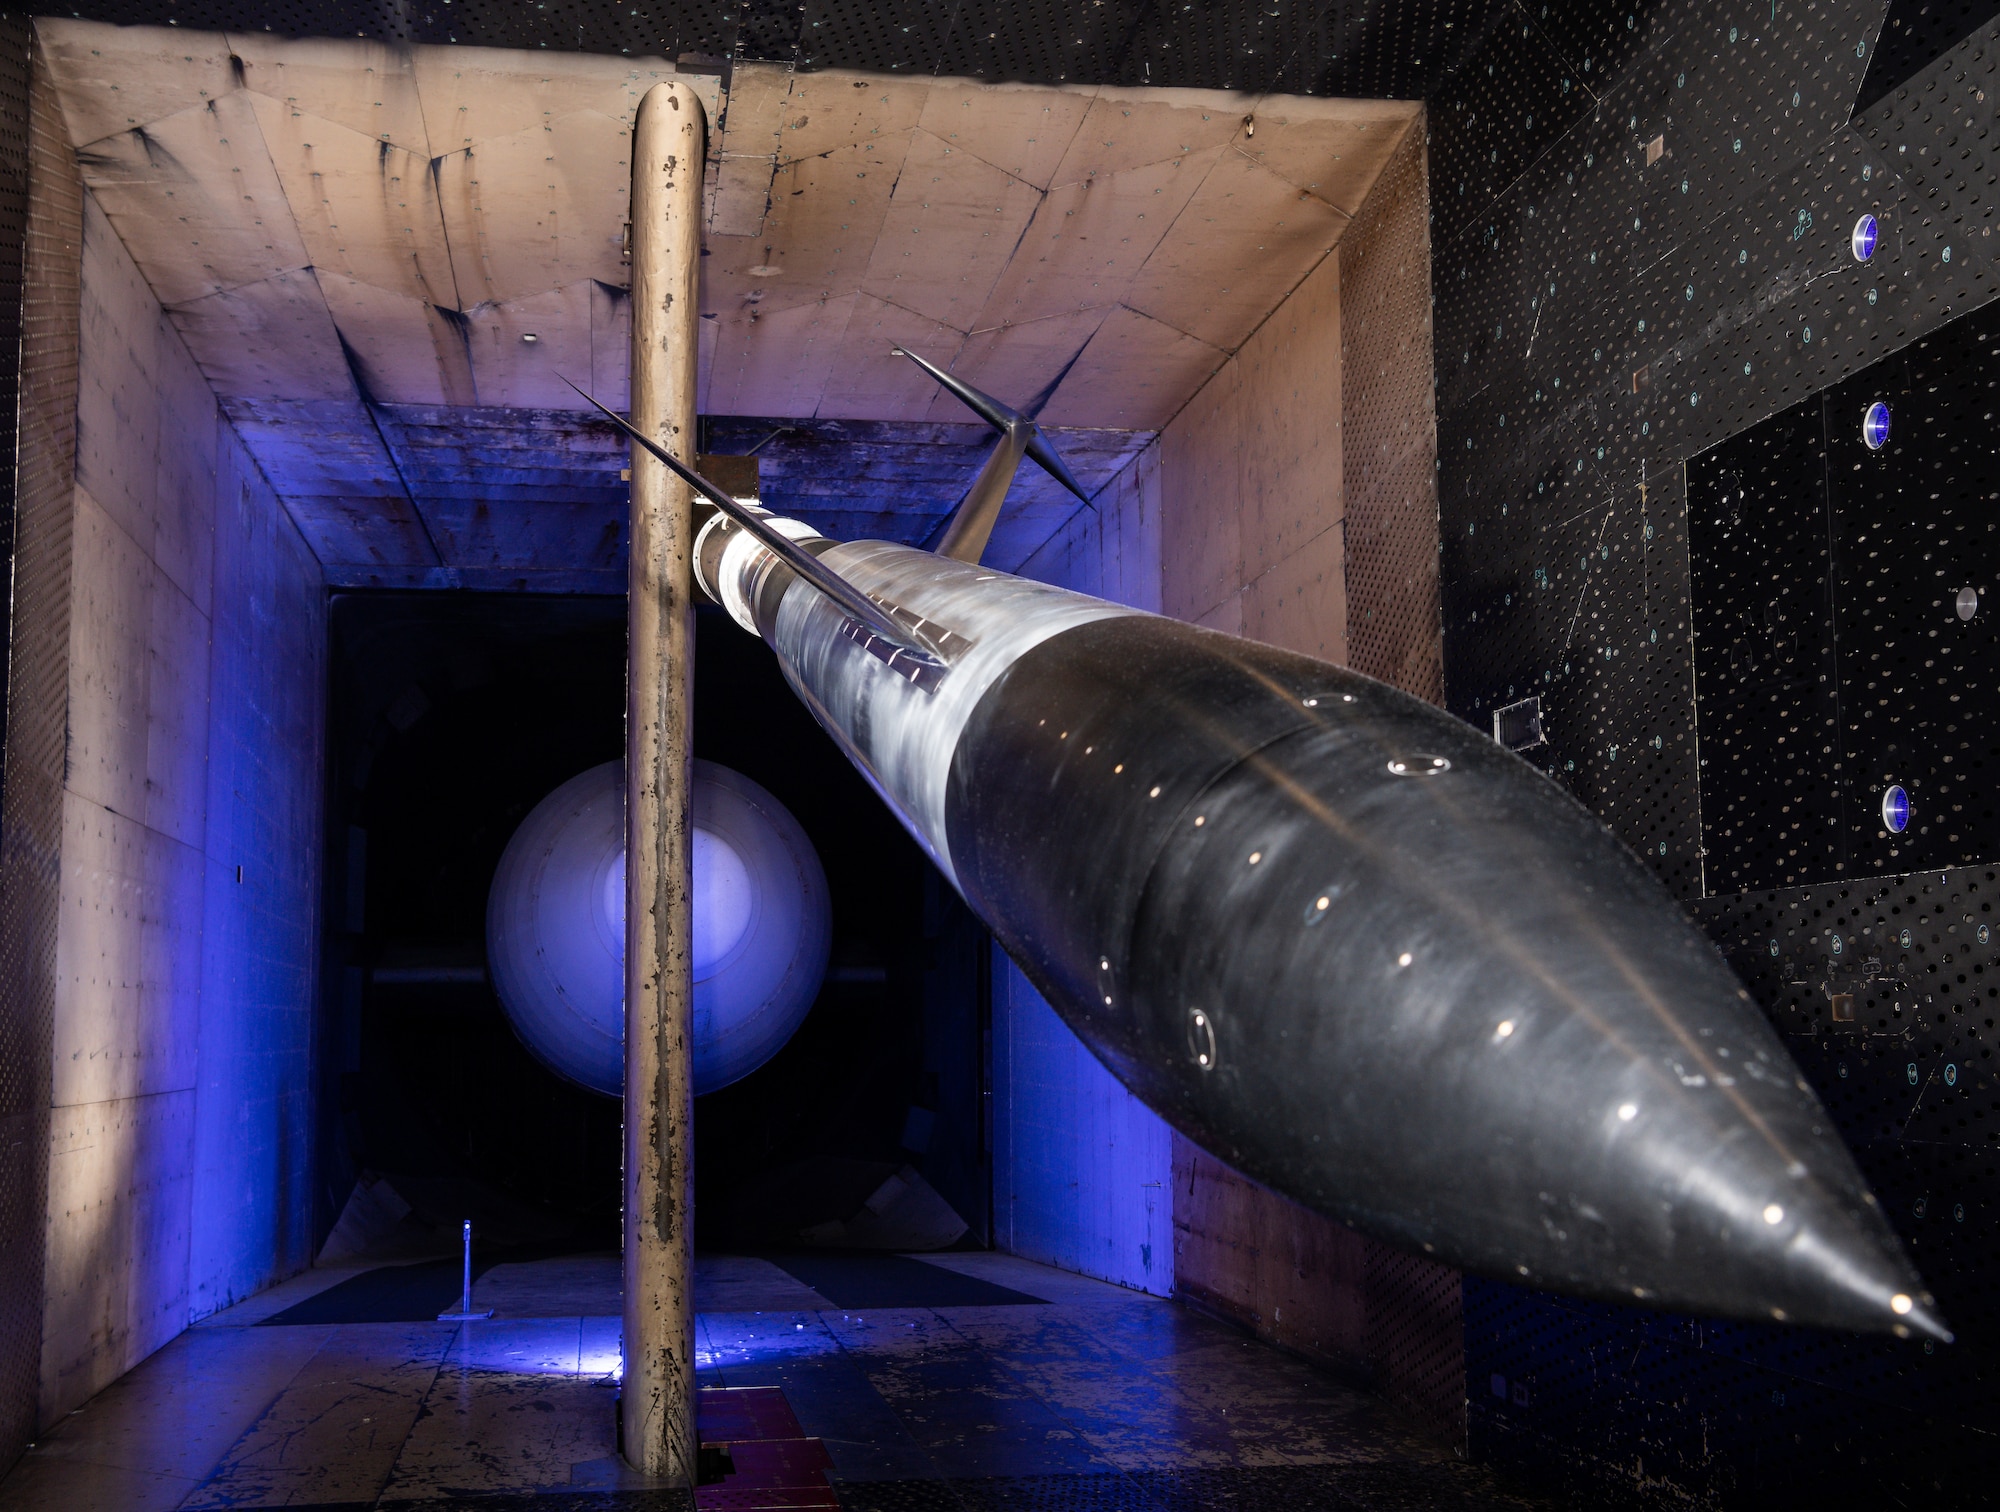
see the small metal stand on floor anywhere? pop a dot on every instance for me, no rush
(465, 1312)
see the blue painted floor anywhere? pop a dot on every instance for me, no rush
(1069, 1393)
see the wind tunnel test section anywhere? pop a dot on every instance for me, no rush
(1338, 742)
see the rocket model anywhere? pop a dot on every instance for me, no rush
(1334, 935)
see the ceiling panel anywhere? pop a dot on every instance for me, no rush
(324, 447)
(1019, 129)
(448, 446)
(401, 349)
(825, 220)
(1125, 128)
(1336, 157)
(826, 111)
(778, 363)
(367, 87)
(473, 95)
(538, 208)
(1090, 237)
(356, 232)
(1015, 363)
(513, 487)
(196, 200)
(362, 530)
(1135, 375)
(1244, 242)
(510, 369)
(363, 208)
(268, 340)
(111, 79)
(744, 152)
(868, 381)
(953, 222)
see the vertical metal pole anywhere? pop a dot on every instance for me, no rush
(657, 1402)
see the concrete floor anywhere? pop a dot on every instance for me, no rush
(1093, 1397)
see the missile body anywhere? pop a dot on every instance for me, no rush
(1329, 932)
(1339, 938)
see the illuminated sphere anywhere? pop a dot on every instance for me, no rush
(1875, 426)
(555, 928)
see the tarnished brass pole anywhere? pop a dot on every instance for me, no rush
(657, 1403)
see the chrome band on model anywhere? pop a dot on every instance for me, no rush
(757, 523)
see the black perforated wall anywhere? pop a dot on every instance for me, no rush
(1351, 47)
(1658, 515)
(1845, 647)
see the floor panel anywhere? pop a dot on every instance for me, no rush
(1013, 1388)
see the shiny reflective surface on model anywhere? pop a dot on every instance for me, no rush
(1333, 934)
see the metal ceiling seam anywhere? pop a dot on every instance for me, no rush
(951, 145)
(434, 165)
(1346, 215)
(1107, 306)
(285, 194)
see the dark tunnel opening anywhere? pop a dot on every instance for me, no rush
(450, 717)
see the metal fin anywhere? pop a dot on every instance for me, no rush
(999, 416)
(972, 522)
(857, 605)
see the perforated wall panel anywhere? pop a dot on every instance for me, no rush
(1362, 48)
(1389, 438)
(1847, 650)
(38, 690)
(1657, 515)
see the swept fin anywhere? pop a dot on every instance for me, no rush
(997, 415)
(972, 522)
(851, 600)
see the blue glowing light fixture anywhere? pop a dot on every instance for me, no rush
(1896, 810)
(1865, 232)
(1875, 426)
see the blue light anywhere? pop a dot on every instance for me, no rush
(1875, 426)
(1863, 243)
(1896, 810)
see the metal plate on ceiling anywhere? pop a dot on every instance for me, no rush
(349, 230)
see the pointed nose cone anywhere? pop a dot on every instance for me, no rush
(1440, 1002)
(1760, 1210)
(1679, 1157)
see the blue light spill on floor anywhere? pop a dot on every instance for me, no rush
(1097, 1397)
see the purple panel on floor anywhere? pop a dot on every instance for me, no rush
(727, 1415)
